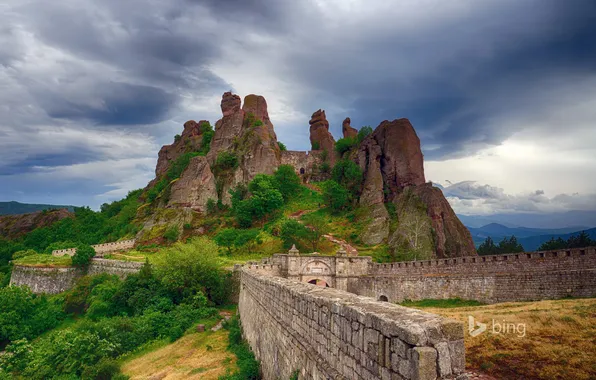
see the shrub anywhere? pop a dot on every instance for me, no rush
(211, 206)
(316, 145)
(288, 182)
(207, 130)
(226, 161)
(24, 253)
(335, 196)
(348, 174)
(226, 238)
(325, 167)
(177, 138)
(83, 255)
(345, 144)
(171, 234)
(364, 132)
(282, 146)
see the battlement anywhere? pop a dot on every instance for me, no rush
(100, 248)
(575, 258)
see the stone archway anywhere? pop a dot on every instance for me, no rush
(383, 298)
(302, 171)
(319, 282)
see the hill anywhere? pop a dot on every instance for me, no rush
(498, 231)
(17, 208)
(532, 243)
(553, 220)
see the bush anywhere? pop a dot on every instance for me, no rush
(226, 161)
(171, 234)
(282, 146)
(225, 238)
(325, 167)
(345, 144)
(211, 206)
(364, 132)
(349, 175)
(288, 182)
(335, 196)
(316, 145)
(24, 253)
(207, 130)
(83, 256)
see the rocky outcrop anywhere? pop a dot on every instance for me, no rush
(320, 138)
(347, 129)
(14, 226)
(190, 140)
(228, 129)
(392, 164)
(195, 187)
(452, 238)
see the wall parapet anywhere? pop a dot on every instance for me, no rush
(100, 248)
(576, 258)
(329, 333)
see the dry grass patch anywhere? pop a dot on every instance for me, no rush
(194, 356)
(559, 341)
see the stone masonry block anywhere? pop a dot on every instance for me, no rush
(424, 363)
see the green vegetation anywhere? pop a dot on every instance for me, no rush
(349, 175)
(248, 366)
(225, 161)
(345, 144)
(282, 146)
(316, 145)
(44, 260)
(443, 304)
(364, 132)
(335, 196)
(580, 240)
(83, 256)
(507, 245)
(207, 135)
(288, 182)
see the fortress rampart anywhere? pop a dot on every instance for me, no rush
(326, 333)
(100, 249)
(57, 280)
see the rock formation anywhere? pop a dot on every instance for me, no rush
(14, 226)
(392, 164)
(320, 137)
(195, 187)
(347, 129)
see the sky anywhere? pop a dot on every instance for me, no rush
(502, 93)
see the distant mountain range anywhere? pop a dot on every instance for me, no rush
(536, 220)
(16, 208)
(530, 238)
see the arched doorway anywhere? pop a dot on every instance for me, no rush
(318, 282)
(383, 298)
(301, 170)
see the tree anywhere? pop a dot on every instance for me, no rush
(335, 196)
(83, 255)
(553, 244)
(292, 233)
(488, 247)
(288, 182)
(226, 238)
(580, 240)
(414, 227)
(264, 199)
(345, 144)
(248, 239)
(316, 226)
(510, 245)
(348, 174)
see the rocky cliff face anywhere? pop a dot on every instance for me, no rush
(189, 140)
(392, 163)
(347, 129)
(13, 226)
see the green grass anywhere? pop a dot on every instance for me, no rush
(444, 304)
(42, 260)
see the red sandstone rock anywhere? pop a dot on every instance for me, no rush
(230, 103)
(347, 130)
(195, 186)
(319, 134)
(13, 226)
(452, 237)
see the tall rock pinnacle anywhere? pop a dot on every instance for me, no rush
(347, 129)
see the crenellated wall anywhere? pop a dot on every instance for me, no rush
(491, 279)
(57, 280)
(100, 249)
(326, 333)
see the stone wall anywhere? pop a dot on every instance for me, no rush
(44, 280)
(57, 280)
(491, 279)
(100, 249)
(305, 163)
(328, 333)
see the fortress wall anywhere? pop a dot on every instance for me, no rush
(100, 248)
(57, 280)
(45, 280)
(567, 259)
(328, 333)
(489, 279)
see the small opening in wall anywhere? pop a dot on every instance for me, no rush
(555, 254)
(383, 298)
(529, 255)
(463, 260)
(568, 253)
(541, 254)
(484, 259)
(446, 261)
(494, 258)
(301, 170)
(454, 261)
(474, 260)
(582, 252)
(505, 258)
(517, 257)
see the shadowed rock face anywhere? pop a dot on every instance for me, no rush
(320, 137)
(347, 130)
(392, 161)
(195, 187)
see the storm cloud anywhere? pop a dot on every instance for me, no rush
(89, 85)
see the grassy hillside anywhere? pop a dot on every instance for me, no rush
(558, 340)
